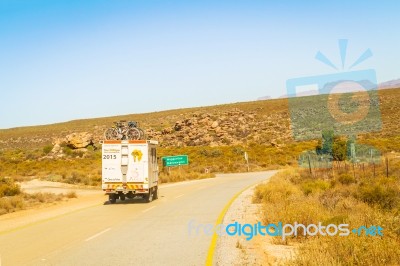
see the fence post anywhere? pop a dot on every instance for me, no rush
(374, 168)
(363, 169)
(387, 167)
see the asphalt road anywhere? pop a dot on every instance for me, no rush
(130, 232)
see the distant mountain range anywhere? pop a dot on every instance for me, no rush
(391, 84)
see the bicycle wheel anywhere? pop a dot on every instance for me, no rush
(142, 134)
(110, 134)
(133, 134)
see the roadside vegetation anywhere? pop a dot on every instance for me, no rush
(13, 199)
(340, 196)
(84, 168)
(75, 168)
(204, 162)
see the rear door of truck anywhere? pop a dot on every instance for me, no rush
(111, 164)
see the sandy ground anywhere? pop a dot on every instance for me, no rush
(37, 185)
(236, 250)
(86, 197)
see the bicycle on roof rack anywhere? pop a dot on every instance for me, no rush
(124, 131)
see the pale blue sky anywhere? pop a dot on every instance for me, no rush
(67, 59)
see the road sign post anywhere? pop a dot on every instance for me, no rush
(246, 157)
(177, 160)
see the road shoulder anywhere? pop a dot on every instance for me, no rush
(236, 250)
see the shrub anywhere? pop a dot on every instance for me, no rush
(11, 204)
(78, 153)
(8, 187)
(43, 197)
(364, 203)
(312, 186)
(47, 149)
(350, 250)
(346, 179)
(384, 195)
(211, 152)
(67, 151)
(71, 194)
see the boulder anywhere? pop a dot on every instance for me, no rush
(166, 131)
(178, 126)
(207, 138)
(58, 141)
(56, 148)
(79, 140)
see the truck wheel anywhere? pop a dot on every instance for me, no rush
(149, 196)
(155, 193)
(112, 198)
(122, 197)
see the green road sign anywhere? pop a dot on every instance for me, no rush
(175, 160)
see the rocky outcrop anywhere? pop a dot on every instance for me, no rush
(209, 126)
(79, 140)
(233, 127)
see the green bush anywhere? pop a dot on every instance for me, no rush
(47, 149)
(211, 152)
(67, 151)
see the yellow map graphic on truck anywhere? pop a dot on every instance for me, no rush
(137, 155)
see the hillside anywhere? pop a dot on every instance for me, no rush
(263, 122)
(215, 138)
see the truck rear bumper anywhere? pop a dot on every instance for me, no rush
(125, 188)
(144, 191)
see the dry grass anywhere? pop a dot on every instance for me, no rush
(13, 199)
(25, 201)
(294, 196)
(24, 165)
(71, 194)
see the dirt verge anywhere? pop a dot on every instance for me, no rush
(236, 250)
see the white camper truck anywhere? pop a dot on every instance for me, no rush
(129, 169)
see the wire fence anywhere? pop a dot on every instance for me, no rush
(361, 166)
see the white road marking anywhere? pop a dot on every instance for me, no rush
(179, 196)
(98, 234)
(148, 209)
